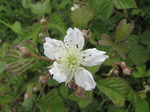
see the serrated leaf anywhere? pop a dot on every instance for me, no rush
(81, 17)
(41, 8)
(106, 40)
(123, 30)
(16, 27)
(56, 23)
(141, 72)
(102, 8)
(15, 62)
(82, 102)
(145, 37)
(51, 102)
(26, 3)
(4, 99)
(2, 66)
(138, 54)
(115, 88)
(142, 105)
(122, 49)
(125, 4)
(64, 90)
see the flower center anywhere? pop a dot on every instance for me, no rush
(71, 59)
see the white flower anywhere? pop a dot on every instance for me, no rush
(69, 56)
(74, 7)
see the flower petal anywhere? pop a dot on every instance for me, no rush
(84, 79)
(74, 39)
(57, 73)
(93, 57)
(53, 48)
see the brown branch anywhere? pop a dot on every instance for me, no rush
(116, 11)
(41, 57)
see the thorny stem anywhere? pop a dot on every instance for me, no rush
(41, 57)
(34, 110)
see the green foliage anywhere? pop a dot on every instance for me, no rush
(124, 4)
(138, 54)
(141, 105)
(116, 89)
(82, 102)
(51, 102)
(81, 17)
(110, 24)
(102, 8)
(141, 72)
(123, 30)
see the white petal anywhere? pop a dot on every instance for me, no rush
(93, 57)
(84, 79)
(74, 39)
(53, 48)
(57, 73)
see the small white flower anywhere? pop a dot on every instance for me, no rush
(74, 7)
(69, 56)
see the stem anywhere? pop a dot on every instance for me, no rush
(34, 110)
(112, 47)
(41, 57)
(122, 15)
(128, 107)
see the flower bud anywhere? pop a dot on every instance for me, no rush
(126, 71)
(41, 35)
(86, 33)
(116, 71)
(35, 89)
(43, 79)
(26, 96)
(72, 84)
(122, 64)
(80, 92)
(43, 21)
(25, 52)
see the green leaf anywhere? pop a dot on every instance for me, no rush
(138, 54)
(93, 69)
(122, 49)
(28, 103)
(26, 3)
(106, 40)
(16, 27)
(57, 23)
(2, 66)
(81, 17)
(145, 37)
(142, 105)
(41, 8)
(112, 108)
(4, 99)
(123, 30)
(64, 90)
(141, 72)
(16, 62)
(82, 102)
(115, 88)
(125, 4)
(51, 102)
(102, 8)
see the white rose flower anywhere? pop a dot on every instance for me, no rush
(69, 57)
